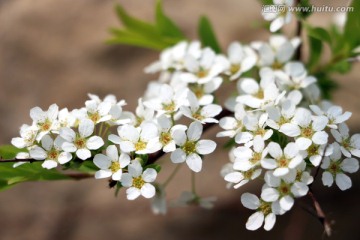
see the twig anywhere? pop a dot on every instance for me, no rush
(320, 214)
(79, 176)
(298, 34)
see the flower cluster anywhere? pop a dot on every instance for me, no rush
(282, 127)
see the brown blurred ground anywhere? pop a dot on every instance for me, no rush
(54, 52)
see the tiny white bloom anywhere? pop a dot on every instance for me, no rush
(81, 142)
(138, 181)
(282, 161)
(279, 18)
(190, 147)
(141, 140)
(51, 152)
(45, 121)
(27, 137)
(111, 164)
(349, 145)
(335, 168)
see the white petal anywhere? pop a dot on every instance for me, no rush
(255, 221)
(290, 129)
(194, 162)
(126, 180)
(103, 174)
(117, 175)
(350, 165)
(127, 146)
(327, 179)
(299, 189)
(49, 164)
(234, 177)
(83, 153)
(286, 202)
(68, 147)
(268, 163)
(102, 161)
(277, 24)
(204, 147)
(86, 127)
(275, 150)
(149, 175)
(124, 160)
(112, 152)
(250, 201)
(194, 132)
(291, 150)
(343, 181)
(132, 193)
(64, 157)
(281, 171)
(178, 156)
(114, 138)
(303, 143)
(269, 194)
(320, 138)
(68, 134)
(269, 221)
(94, 143)
(38, 153)
(148, 190)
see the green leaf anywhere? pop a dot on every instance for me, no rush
(154, 166)
(352, 25)
(230, 143)
(9, 151)
(10, 176)
(319, 33)
(305, 4)
(207, 35)
(315, 48)
(166, 26)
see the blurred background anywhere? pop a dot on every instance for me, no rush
(54, 52)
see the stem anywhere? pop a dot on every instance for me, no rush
(79, 176)
(320, 214)
(101, 129)
(172, 175)
(298, 34)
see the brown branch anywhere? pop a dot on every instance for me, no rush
(298, 34)
(79, 176)
(320, 214)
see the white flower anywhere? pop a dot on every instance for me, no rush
(282, 162)
(335, 168)
(143, 114)
(81, 142)
(139, 182)
(240, 59)
(279, 18)
(190, 147)
(333, 113)
(173, 58)
(261, 95)
(311, 129)
(111, 164)
(66, 118)
(294, 76)
(265, 211)
(27, 136)
(232, 125)
(316, 153)
(45, 121)
(282, 119)
(98, 111)
(204, 114)
(240, 178)
(167, 131)
(50, 152)
(203, 92)
(168, 101)
(203, 69)
(141, 140)
(246, 158)
(349, 145)
(283, 189)
(277, 52)
(256, 126)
